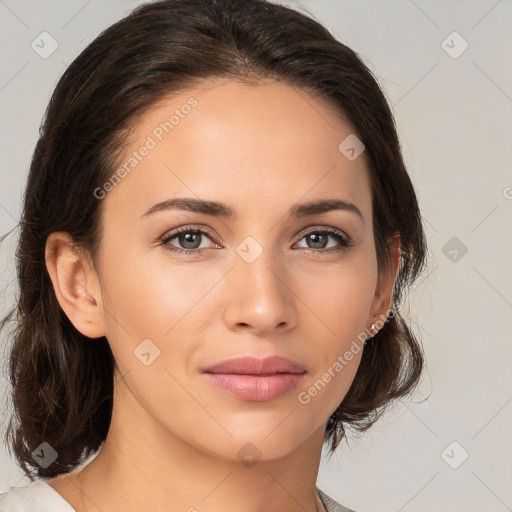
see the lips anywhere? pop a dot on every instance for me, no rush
(254, 366)
(256, 380)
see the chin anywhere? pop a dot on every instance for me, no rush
(261, 440)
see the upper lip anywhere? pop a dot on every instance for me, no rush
(255, 366)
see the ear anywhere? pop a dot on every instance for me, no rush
(383, 298)
(76, 284)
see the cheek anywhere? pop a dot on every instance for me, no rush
(339, 303)
(150, 297)
(338, 299)
(340, 295)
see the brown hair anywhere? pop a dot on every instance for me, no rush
(62, 385)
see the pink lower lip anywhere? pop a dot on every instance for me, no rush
(257, 388)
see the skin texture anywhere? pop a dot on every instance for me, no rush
(174, 437)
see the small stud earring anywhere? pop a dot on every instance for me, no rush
(372, 327)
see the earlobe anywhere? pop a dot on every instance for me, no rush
(75, 284)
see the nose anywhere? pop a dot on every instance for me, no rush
(260, 296)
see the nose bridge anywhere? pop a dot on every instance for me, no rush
(259, 296)
(259, 268)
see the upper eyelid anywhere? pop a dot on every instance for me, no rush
(184, 229)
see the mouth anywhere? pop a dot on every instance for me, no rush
(256, 380)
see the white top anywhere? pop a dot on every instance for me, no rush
(38, 496)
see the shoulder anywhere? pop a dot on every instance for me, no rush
(330, 504)
(36, 496)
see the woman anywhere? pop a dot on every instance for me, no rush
(217, 231)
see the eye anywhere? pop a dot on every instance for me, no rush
(190, 240)
(317, 240)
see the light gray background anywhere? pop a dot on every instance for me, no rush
(455, 120)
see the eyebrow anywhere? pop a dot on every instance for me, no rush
(217, 209)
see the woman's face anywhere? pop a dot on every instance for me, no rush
(261, 282)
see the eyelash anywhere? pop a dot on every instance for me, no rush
(345, 241)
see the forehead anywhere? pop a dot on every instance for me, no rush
(231, 141)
